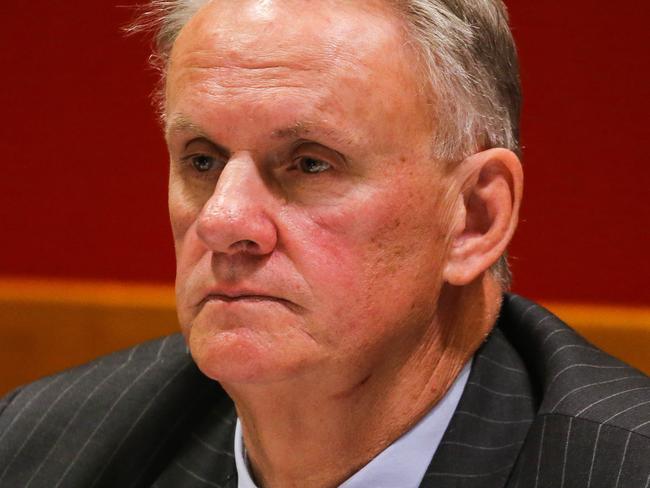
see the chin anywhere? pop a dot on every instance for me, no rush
(242, 356)
(228, 356)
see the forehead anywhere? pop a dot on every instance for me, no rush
(274, 39)
(338, 63)
(255, 31)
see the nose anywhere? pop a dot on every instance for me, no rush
(237, 217)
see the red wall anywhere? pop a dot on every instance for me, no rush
(586, 76)
(82, 188)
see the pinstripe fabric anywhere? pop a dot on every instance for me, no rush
(542, 408)
(483, 440)
(117, 422)
(547, 409)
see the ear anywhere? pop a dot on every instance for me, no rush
(484, 214)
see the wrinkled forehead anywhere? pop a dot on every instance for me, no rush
(337, 61)
(263, 32)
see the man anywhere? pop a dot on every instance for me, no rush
(344, 181)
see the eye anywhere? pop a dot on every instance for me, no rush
(201, 162)
(312, 165)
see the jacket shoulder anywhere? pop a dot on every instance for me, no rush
(115, 370)
(113, 415)
(576, 378)
(593, 422)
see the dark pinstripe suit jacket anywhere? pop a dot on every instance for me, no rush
(542, 408)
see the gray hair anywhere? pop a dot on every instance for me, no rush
(469, 60)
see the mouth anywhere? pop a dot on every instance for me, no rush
(240, 298)
(247, 298)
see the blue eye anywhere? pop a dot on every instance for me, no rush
(312, 166)
(202, 163)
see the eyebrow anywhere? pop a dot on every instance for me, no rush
(301, 129)
(180, 123)
(304, 129)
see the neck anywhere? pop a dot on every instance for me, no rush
(297, 435)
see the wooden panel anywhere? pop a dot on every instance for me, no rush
(623, 332)
(48, 326)
(43, 338)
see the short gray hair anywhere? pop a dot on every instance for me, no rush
(468, 57)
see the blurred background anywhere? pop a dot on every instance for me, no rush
(86, 256)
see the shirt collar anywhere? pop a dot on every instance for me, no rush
(403, 463)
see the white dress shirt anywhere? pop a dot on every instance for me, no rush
(400, 465)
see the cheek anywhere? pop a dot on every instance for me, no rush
(373, 255)
(183, 214)
(403, 260)
(188, 247)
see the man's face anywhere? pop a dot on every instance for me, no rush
(306, 209)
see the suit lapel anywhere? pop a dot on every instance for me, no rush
(485, 435)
